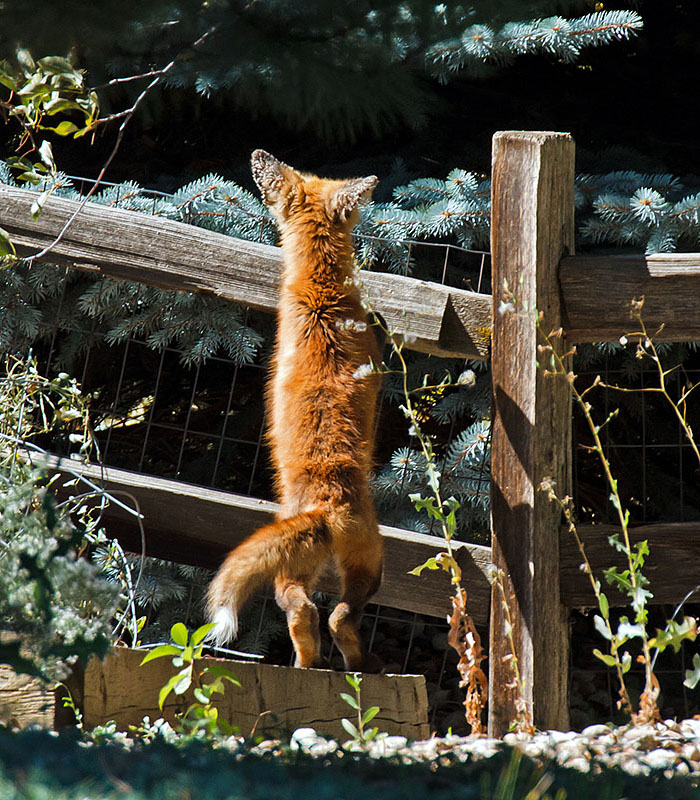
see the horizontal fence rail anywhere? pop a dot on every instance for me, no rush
(198, 526)
(597, 291)
(597, 294)
(133, 246)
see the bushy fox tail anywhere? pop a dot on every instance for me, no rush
(296, 546)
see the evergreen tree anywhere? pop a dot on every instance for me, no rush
(336, 69)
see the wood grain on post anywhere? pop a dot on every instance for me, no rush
(532, 227)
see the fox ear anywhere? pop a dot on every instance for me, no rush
(273, 177)
(345, 199)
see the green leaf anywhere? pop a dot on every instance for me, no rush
(350, 700)
(167, 688)
(6, 246)
(616, 578)
(24, 58)
(64, 128)
(219, 671)
(370, 714)
(215, 687)
(178, 633)
(29, 176)
(201, 695)
(184, 680)
(431, 563)
(38, 205)
(57, 65)
(201, 632)
(628, 630)
(604, 657)
(354, 679)
(46, 154)
(367, 736)
(160, 652)
(626, 662)
(692, 676)
(350, 728)
(640, 596)
(604, 606)
(427, 504)
(675, 634)
(59, 104)
(614, 541)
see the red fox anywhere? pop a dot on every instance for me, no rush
(321, 398)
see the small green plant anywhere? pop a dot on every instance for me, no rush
(67, 701)
(359, 732)
(186, 651)
(631, 580)
(463, 636)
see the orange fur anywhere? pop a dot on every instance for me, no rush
(321, 412)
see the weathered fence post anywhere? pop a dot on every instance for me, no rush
(532, 227)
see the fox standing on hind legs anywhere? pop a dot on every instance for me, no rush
(321, 407)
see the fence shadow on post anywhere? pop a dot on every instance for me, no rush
(532, 227)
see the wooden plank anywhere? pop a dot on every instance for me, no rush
(118, 689)
(598, 290)
(24, 701)
(671, 566)
(139, 247)
(198, 526)
(532, 225)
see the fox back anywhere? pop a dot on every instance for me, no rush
(321, 408)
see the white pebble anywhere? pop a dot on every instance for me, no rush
(659, 758)
(303, 738)
(595, 730)
(580, 763)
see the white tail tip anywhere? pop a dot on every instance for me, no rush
(226, 623)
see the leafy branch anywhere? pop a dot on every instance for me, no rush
(630, 581)
(463, 635)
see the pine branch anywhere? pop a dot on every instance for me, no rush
(562, 38)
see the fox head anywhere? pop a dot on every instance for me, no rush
(294, 197)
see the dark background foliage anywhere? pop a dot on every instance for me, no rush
(352, 109)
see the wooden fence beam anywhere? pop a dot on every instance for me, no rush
(198, 526)
(598, 291)
(671, 566)
(160, 252)
(531, 227)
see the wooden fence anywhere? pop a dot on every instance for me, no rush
(532, 253)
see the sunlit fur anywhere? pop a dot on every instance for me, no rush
(321, 411)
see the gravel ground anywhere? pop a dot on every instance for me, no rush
(666, 748)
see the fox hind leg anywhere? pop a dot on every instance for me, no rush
(295, 547)
(292, 595)
(359, 583)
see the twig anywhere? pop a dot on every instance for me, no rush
(127, 116)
